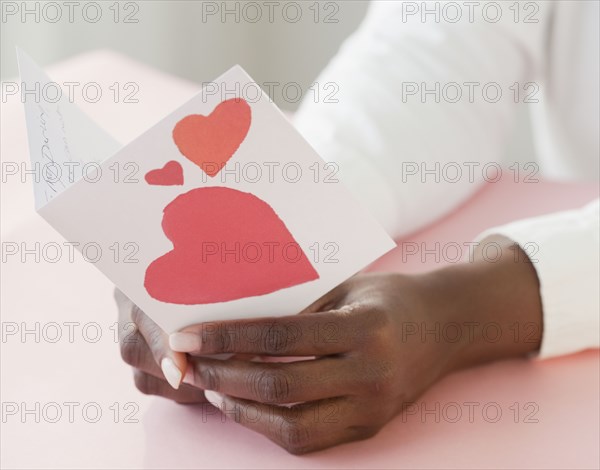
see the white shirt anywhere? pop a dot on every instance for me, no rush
(418, 85)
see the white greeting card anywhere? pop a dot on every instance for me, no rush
(219, 211)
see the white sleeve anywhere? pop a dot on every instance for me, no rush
(564, 249)
(380, 134)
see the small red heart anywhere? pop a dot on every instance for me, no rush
(169, 175)
(210, 141)
(227, 245)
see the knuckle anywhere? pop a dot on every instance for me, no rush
(275, 339)
(136, 314)
(155, 339)
(144, 383)
(238, 413)
(295, 437)
(374, 328)
(270, 386)
(379, 320)
(131, 352)
(217, 338)
(366, 432)
(380, 379)
(209, 377)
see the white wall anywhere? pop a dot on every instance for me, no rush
(176, 37)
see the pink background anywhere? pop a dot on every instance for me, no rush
(47, 370)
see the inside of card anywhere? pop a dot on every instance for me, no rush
(65, 145)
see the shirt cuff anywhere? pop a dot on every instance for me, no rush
(564, 249)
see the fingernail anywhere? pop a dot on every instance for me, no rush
(188, 378)
(214, 398)
(171, 372)
(184, 342)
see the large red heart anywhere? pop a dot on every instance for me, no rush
(169, 175)
(210, 141)
(227, 245)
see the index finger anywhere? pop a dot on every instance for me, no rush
(310, 334)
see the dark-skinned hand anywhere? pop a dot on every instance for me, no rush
(363, 352)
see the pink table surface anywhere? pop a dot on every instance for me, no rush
(47, 372)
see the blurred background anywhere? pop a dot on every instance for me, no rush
(275, 41)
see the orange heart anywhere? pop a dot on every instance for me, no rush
(210, 141)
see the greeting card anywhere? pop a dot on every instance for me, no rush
(221, 210)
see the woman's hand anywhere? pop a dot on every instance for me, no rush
(144, 345)
(370, 347)
(363, 373)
